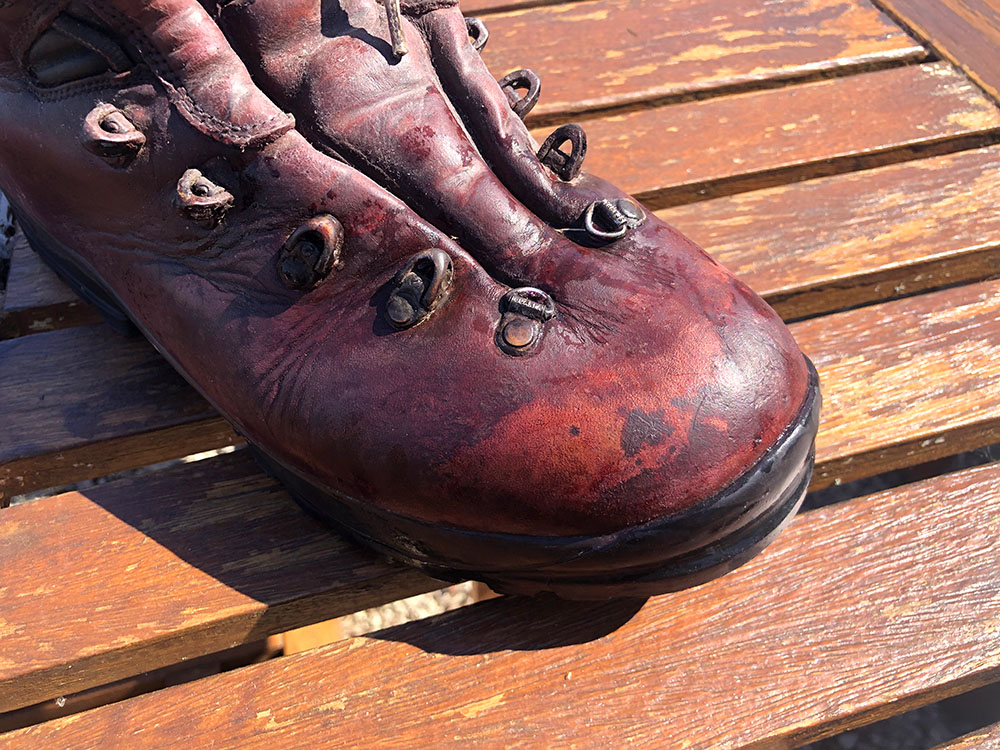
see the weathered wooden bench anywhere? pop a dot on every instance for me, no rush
(844, 159)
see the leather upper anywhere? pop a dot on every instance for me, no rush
(658, 381)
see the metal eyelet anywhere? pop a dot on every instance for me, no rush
(566, 166)
(311, 252)
(200, 200)
(108, 133)
(521, 79)
(610, 220)
(419, 288)
(478, 33)
(524, 312)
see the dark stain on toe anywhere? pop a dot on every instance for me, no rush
(642, 429)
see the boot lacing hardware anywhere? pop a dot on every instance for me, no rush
(311, 252)
(478, 33)
(200, 200)
(419, 288)
(525, 311)
(609, 220)
(108, 133)
(521, 79)
(566, 166)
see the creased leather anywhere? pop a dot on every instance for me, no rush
(207, 82)
(660, 379)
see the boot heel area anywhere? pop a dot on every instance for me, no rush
(78, 279)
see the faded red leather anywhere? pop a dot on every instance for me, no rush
(659, 381)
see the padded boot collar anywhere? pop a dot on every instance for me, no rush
(184, 49)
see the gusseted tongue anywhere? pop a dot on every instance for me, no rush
(204, 77)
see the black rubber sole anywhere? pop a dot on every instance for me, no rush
(673, 553)
(683, 550)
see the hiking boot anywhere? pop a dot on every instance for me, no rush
(443, 338)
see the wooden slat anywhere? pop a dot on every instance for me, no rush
(608, 53)
(144, 572)
(85, 401)
(842, 241)
(987, 738)
(36, 299)
(858, 611)
(205, 582)
(906, 381)
(967, 32)
(147, 682)
(691, 151)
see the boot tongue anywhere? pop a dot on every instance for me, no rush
(204, 78)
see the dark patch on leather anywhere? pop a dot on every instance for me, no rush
(574, 430)
(419, 7)
(642, 429)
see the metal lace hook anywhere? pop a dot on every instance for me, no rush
(525, 79)
(478, 33)
(419, 287)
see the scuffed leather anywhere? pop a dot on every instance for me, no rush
(659, 381)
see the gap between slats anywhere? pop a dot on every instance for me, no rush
(858, 611)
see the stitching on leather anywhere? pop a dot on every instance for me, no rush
(94, 40)
(239, 134)
(103, 82)
(26, 35)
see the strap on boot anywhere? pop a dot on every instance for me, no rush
(205, 79)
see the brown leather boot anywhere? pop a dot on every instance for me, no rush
(569, 396)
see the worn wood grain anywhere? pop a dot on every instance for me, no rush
(144, 572)
(906, 581)
(85, 402)
(484, 8)
(147, 682)
(696, 150)
(987, 738)
(858, 611)
(904, 382)
(967, 32)
(36, 299)
(842, 241)
(109, 456)
(608, 53)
